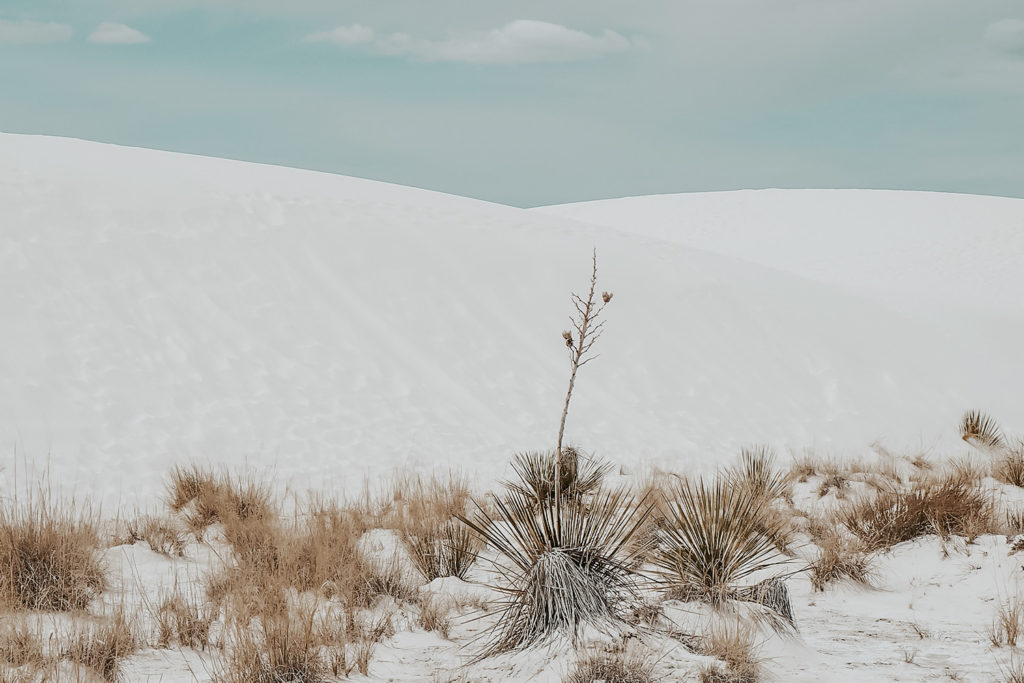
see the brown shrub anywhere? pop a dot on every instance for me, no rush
(49, 558)
(183, 622)
(617, 664)
(103, 646)
(946, 507)
(733, 643)
(839, 558)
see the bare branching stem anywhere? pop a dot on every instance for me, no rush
(588, 331)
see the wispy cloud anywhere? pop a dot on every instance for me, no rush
(33, 32)
(356, 34)
(1006, 36)
(109, 33)
(518, 42)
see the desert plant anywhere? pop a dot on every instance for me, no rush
(757, 473)
(578, 475)
(1008, 624)
(1009, 464)
(49, 558)
(616, 664)
(733, 642)
(103, 646)
(566, 567)
(448, 549)
(839, 558)
(588, 327)
(712, 540)
(184, 622)
(981, 430)
(947, 506)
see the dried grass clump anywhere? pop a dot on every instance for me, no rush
(757, 474)
(20, 646)
(839, 558)
(733, 642)
(423, 513)
(103, 646)
(617, 664)
(448, 549)
(713, 539)
(275, 646)
(184, 623)
(162, 535)
(207, 499)
(566, 566)
(434, 616)
(949, 506)
(49, 558)
(1008, 624)
(1008, 466)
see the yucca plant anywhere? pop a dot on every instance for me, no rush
(711, 541)
(981, 430)
(578, 474)
(564, 567)
(757, 473)
(448, 549)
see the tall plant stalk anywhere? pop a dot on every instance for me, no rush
(588, 327)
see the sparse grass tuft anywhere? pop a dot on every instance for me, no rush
(183, 622)
(757, 474)
(20, 646)
(617, 664)
(103, 646)
(49, 558)
(1008, 624)
(433, 616)
(1009, 464)
(840, 558)
(731, 641)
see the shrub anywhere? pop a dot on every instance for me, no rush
(712, 539)
(839, 558)
(103, 646)
(731, 641)
(618, 664)
(757, 474)
(49, 558)
(578, 475)
(981, 430)
(1008, 624)
(183, 622)
(1009, 465)
(946, 507)
(568, 566)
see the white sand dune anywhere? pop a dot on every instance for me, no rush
(162, 307)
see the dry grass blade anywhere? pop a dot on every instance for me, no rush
(565, 568)
(981, 430)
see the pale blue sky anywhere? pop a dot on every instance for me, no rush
(534, 102)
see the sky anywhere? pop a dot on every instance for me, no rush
(531, 103)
